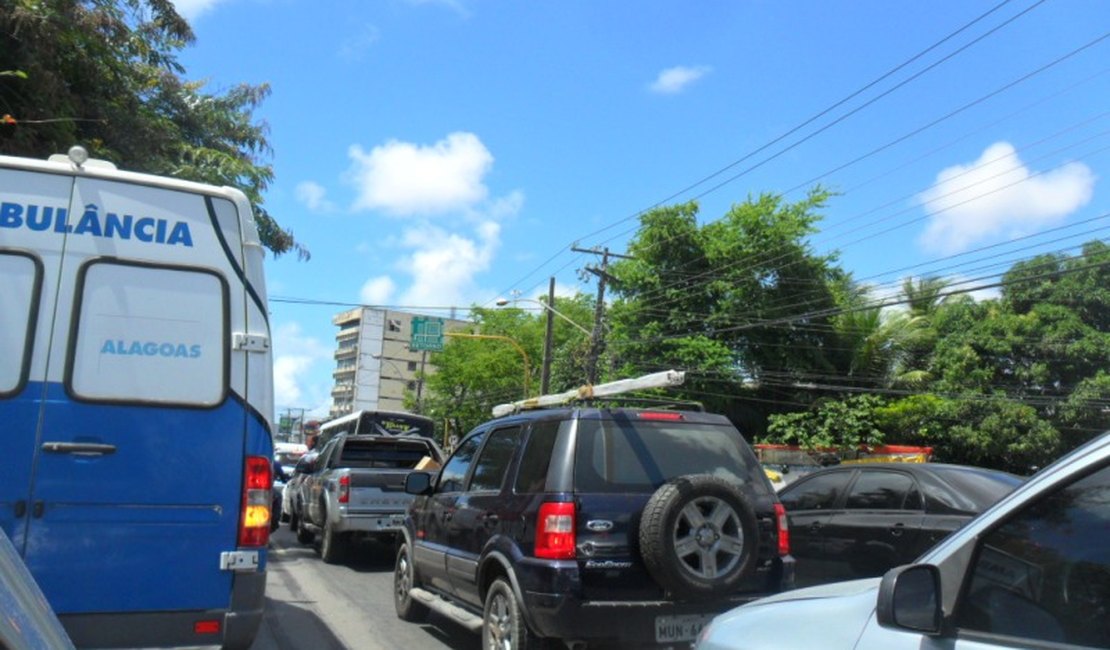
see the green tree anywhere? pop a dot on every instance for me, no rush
(104, 74)
(722, 300)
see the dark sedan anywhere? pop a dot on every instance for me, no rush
(857, 521)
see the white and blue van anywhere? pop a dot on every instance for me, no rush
(136, 395)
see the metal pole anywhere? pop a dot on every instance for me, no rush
(545, 372)
(599, 313)
(420, 379)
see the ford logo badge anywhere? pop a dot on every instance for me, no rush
(599, 525)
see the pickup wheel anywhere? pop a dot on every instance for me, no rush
(294, 521)
(404, 579)
(698, 536)
(333, 547)
(304, 535)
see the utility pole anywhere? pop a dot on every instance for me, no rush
(545, 372)
(597, 342)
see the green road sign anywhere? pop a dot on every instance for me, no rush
(427, 334)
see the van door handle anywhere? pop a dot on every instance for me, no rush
(20, 509)
(38, 509)
(79, 448)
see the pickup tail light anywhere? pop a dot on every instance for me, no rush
(345, 488)
(258, 479)
(783, 529)
(555, 536)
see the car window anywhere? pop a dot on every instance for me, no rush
(883, 491)
(493, 463)
(819, 492)
(622, 455)
(532, 475)
(454, 472)
(1045, 573)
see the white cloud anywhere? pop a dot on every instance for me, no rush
(443, 265)
(998, 196)
(295, 355)
(674, 80)
(405, 179)
(313, 196)
(377, 291)
(190, 10)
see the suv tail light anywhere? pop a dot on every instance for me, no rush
(344, 488)
(784, 529)
(555, 536)
(258, 479)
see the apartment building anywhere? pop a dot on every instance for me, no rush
(374, 367)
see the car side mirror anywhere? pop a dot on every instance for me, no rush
(909, 599)
(418, 483)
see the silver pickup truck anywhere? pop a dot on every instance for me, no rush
(355, 487)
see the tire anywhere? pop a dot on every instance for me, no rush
(503, 626)
(304, 535)
(699, 537)
(294, 520)
(404, 579)
(333, 546)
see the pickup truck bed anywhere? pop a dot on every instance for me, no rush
(356, 488)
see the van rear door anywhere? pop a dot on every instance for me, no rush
(130, 494)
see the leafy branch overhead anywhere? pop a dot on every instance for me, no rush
(105, 74)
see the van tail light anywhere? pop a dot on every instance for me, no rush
(783, 528)
(345, 488)
(258, 479)
(555, 537)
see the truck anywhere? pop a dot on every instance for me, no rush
(355, 488)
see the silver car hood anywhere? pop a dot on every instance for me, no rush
(827, 616)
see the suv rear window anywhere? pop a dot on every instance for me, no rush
(632, 456)
(389, 456)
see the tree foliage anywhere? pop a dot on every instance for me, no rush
(105, 74)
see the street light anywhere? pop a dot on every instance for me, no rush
(501, 302)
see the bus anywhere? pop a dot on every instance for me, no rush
(136, 401)
(391, 423)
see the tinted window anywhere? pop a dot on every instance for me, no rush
(980, 486)
(636, 456)
(817, 493)
(382, 454)
(882, 491)
(532, 475)
(453, 473)
(1045, 573)
(18, 304)
(489, 471)
(149, 334)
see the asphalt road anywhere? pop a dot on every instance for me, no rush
(348, 606)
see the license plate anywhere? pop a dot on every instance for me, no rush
(680, 628)
(397, 521)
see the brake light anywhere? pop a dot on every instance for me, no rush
(660, 416)
(345, 488)
(210, 626)
(258, 478)
(555, 537)
(784, 529)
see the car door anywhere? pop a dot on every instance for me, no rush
(878, 527)
(478, 511)
(432, 543)
(809, 504)
(313, 488)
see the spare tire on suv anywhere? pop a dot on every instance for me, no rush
(698, 537)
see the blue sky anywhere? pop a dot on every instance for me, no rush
(439, 153)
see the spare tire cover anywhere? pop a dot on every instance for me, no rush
(698, 537)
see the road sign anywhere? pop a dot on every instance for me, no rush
(427, 334)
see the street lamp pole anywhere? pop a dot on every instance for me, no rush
(523, 354)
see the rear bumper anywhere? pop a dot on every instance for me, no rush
(376, 522)
(238, 624)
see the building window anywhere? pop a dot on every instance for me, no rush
(411, 385)
(394, 324)
(412, 365)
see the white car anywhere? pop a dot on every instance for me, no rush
(1033, 571)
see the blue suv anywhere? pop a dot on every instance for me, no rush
(575, 526)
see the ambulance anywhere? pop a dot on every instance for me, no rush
(136, 397)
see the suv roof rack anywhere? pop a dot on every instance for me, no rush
(656, 402)
(665, 379)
